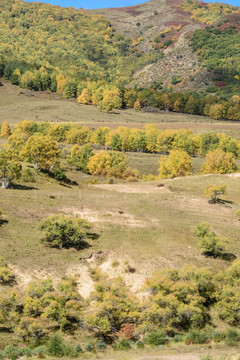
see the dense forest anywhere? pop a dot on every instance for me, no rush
(81, 56)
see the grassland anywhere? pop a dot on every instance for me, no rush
(17, 104)
(141, 225)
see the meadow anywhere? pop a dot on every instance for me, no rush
(144, 226)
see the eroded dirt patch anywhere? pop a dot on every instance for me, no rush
(136, 188)
(120, 218)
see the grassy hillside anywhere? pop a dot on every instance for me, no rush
(143, 227)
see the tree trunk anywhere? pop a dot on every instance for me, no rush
(5, 183)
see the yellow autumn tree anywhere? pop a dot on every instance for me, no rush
(84, 98)
(177, 164)
(219, 162)
(42, 151)
(5, 130)
(137, 105)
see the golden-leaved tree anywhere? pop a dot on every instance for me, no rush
(177, 164)
(219, 162)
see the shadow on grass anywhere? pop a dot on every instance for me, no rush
(224, 256)
(2, 222)
(22, 187)
(221, 202)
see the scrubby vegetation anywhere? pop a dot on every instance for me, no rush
(178, 308)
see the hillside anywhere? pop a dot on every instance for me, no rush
(120, 182)
(156, 17)
(154, 55)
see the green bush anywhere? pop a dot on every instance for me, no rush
(218, 336)
(197, 337)
(124, 344)
(55, 346)
(89, 347)
(140, 344)
(156, 338)
(64, 232)
(11, 352)
(179, 338)
(70, 351)
(59, 175)
(232, 337)
(79, 349)
(168, 42)
(40, 350)
(101, 345)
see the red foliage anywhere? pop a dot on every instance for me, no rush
(175, 23)
(133, 10)
(127, 331)
(220, 84)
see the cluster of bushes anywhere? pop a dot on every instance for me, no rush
(56, 346)
(179, 307)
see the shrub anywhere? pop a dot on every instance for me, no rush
(232, 337)
(126, 331)
(64, 232)
(6, 275)
(168, 42)
(59, 175)
(101, 345)
(210, 244)
(70, 351)
(140, 344)
(179, 338)
(11, 352)
(55, 346)
(197, 337)
(89, 347)
(156, 338)
(42, 349)
(79, 349)
(218, 336)
(124, 344)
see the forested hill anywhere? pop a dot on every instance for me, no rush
(62, 40)
(182, 47)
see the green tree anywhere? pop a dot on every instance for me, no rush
(210, 244)
(61, 231)
(80, 156)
